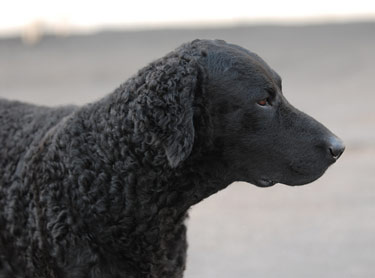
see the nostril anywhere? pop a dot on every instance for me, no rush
(335, 154)
(336, 148)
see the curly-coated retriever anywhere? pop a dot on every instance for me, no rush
(103, 190)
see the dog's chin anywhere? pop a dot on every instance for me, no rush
(293, 180)
(290, 178)
(301, 179)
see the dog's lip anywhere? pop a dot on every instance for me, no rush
(264, 182)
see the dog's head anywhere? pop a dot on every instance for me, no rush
(262, 138)
(255, 135)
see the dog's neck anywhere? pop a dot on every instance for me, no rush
(129, 181)
(136, 198)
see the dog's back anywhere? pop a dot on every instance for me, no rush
(18, 123)
(22, 124)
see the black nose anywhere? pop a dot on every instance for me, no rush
(336, 147)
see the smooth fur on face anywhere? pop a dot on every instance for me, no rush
(264, 139)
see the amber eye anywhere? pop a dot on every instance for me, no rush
(263, 102)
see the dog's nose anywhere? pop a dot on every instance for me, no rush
(336, 147)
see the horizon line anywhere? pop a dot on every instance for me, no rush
(33, 32)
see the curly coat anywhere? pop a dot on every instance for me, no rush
(96, 191)
(103, 190)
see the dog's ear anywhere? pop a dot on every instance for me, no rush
(181, 77)
(167, 99)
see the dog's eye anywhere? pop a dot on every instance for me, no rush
(263, 102)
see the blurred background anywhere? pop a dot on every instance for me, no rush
(74, 52)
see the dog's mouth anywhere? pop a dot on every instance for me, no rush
(265, 182)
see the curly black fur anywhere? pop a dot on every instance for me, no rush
(103, 190)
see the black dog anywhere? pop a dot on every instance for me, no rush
(103, 190)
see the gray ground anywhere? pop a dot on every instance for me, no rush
(326, 229)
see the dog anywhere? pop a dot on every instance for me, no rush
(103, 190)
